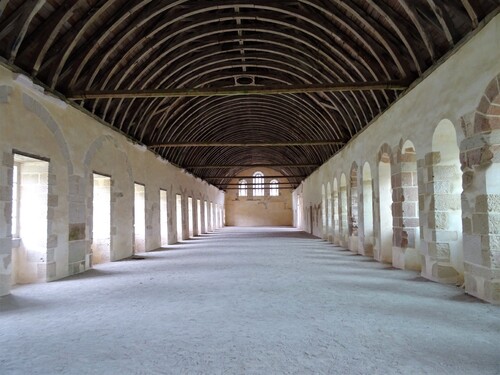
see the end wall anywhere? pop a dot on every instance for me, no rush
(251, 211)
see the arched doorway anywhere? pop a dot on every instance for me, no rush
(384, 246)
(367, 235)
(444, 255)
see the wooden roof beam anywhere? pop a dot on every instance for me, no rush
(222, 166)
(259, 144)
(239, 90)
(244, 177)
(266, 184)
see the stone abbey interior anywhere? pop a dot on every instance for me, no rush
(219, 156)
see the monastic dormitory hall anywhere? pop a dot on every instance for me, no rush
(250, 187)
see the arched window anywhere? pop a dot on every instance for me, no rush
(258, 184)
(274, 189)
(242, 191)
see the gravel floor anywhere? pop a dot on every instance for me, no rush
(247, 301)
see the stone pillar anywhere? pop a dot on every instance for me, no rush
(185, 218)
(405, 211)
(440, 205)
(343, 216)
(353, 217)
(195, 217)
(5, 222)
(80, 207)
(171, 213)
(202, 213)
(49, 268)
(480, 158)
(336, 216)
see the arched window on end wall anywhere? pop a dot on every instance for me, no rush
(258, 184)
(242, 188)
(274, 189)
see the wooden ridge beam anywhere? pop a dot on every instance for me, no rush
(250, 166)
(238, 90)
(249, 184)
(243, 177)
(281, 187)
(258, 144)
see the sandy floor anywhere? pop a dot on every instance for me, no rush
(247, 301)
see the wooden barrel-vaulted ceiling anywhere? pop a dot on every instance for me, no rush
(215, 86)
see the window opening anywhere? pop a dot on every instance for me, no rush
(190, 217)
(178, 212)
(198, 215)
(164, 217)
(242, 191)
(101, 219)
(211, 216)
(29, 219)
(274, 189)
(15, 201)
(139, 218)
(258, 184)
(205, 215)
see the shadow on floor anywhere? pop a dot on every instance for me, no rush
(11, 302)
(90, 274)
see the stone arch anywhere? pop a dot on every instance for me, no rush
(383, 248)
(55, 262)
(480, 160)
(33, 105)
(114, 163)
(441, 203)
(367, 235)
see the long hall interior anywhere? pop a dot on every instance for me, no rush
(240, 300)
(261, 187)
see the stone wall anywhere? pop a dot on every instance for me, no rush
(453, 234)
(76, 145)
(250, 211)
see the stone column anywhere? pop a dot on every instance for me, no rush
(5, 222)
(480, 158)
(439, 204)
(405, 211)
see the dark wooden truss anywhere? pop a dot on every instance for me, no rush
(112, 47)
